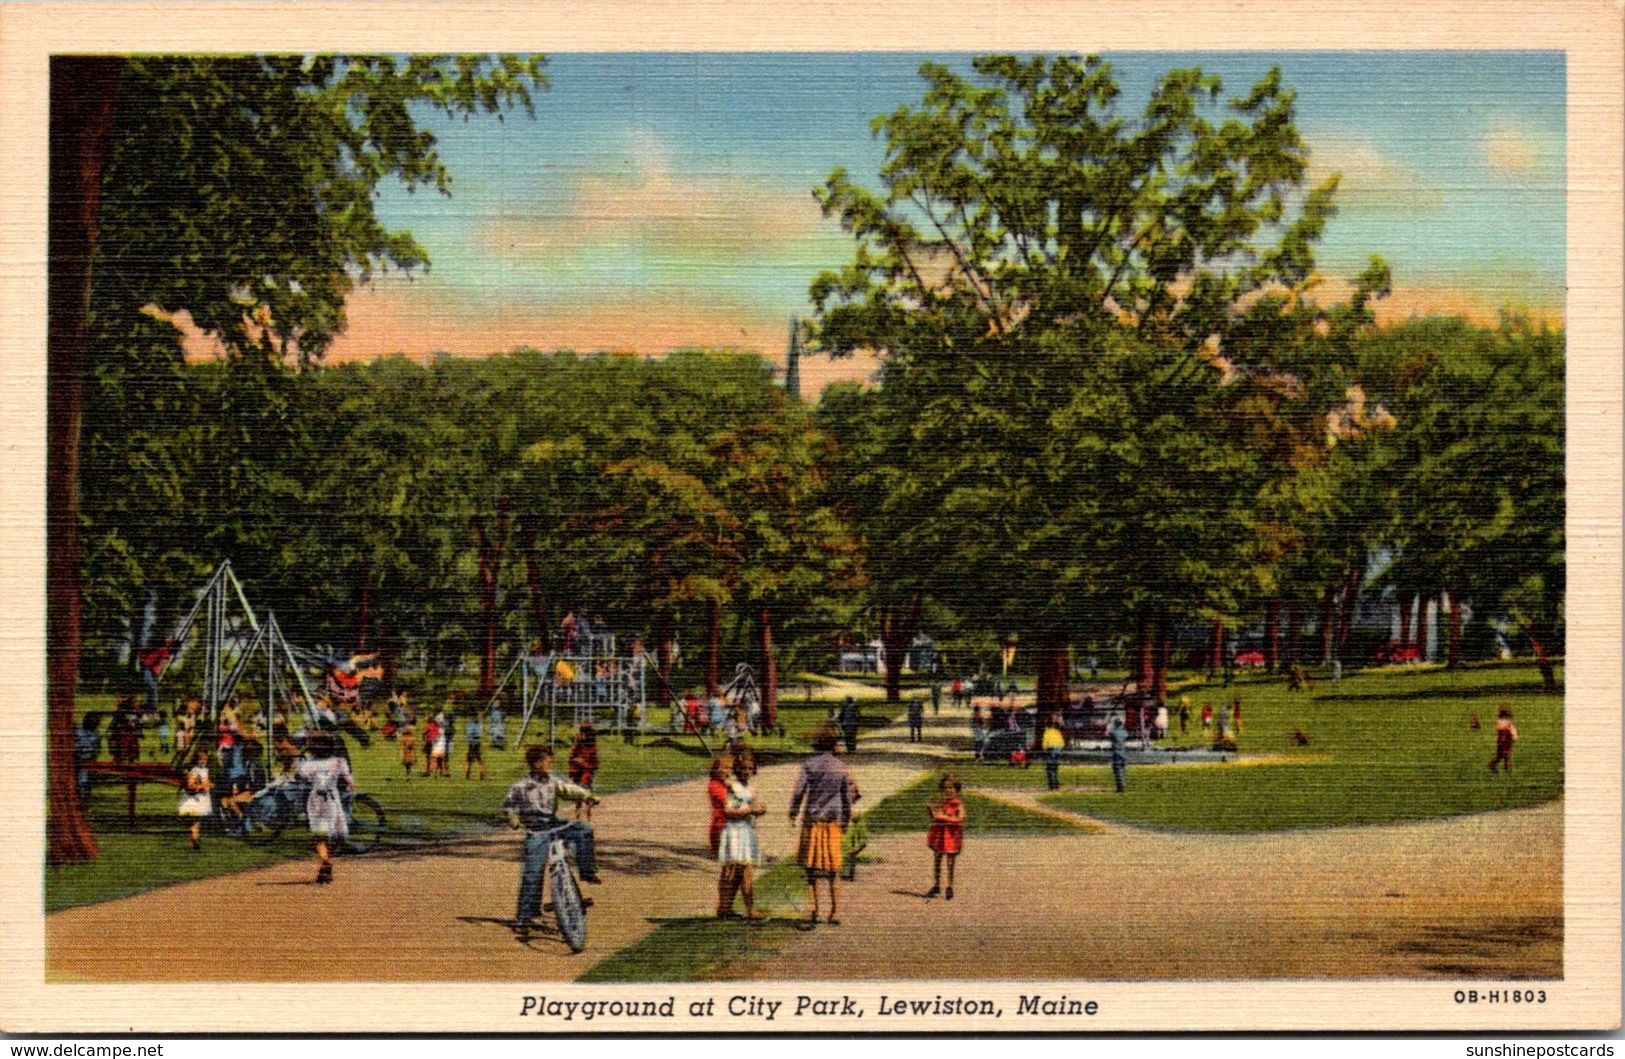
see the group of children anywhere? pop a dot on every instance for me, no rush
(735, 808)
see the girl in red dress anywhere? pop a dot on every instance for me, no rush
(946, 835)
(717, 792)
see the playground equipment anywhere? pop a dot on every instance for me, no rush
(232, 636)
(222, 619)
(591, 683)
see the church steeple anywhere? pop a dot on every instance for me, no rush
(792, 361)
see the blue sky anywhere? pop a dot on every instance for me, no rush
(660, 200)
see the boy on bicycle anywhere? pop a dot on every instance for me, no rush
(532, 803)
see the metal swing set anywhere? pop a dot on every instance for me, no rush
(233, 637)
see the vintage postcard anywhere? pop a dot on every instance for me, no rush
(839, 518)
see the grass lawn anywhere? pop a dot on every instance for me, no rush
(1384, 745)
(419, 808)
(905, 811)
(698, 948)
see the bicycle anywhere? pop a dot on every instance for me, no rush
(569, 908)
(282, 801)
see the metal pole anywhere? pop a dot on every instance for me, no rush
(270, 703)
(242, 598)
(211, 649)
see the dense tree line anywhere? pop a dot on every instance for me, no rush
(466, 505)
(1110, 398)
(1111, 401)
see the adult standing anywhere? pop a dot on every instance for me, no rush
(849, 724)
(916, 719)
(1119, 738)
(936, 698)
(823, 796)
(328, 776)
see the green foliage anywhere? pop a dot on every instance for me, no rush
(1104, 374)
(1472, 478)
(1385, 746)
(241, 190)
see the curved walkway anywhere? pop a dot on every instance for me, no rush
(1476, 895)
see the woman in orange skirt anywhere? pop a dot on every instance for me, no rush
(823, 797)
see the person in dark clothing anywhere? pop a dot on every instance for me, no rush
(1119, 737)
(916, 719)
(849, 724)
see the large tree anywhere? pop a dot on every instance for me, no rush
(239, 191)
(1084, 315)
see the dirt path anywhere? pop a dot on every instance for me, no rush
(1478, 895)
(1468, 896)
(435, 914)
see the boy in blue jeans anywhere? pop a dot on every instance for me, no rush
(532, 803)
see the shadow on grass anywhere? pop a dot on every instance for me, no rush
(1499, 691)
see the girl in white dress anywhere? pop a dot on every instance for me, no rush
(737, 848)
(329, 777)
(196, 803)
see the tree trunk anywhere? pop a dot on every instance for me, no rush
(1215, 654)
(1350, 605)
(389, 653)
(1294, 634)
(363, 607)
(897, 629)
(1328, 623)
(492, 540)
(82, 95)
(1144, 648)
(1051, 659)
(1272, 636)
(769, 685)
(1548, 672)
(1453, 658)
(663, 657)
(542, 631)
(713, 646)
(1159, 675)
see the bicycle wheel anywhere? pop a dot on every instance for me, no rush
(366, 824)
(261, 828)
(262, 820)
(567, 910)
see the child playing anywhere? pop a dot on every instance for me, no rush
(1207, 717)
(434, 747)
(738, 848)
(583, 763)
(409, 749)
(475, 755)
(1506, 733)
(195, 802)
(163, 733)
(947, 834)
